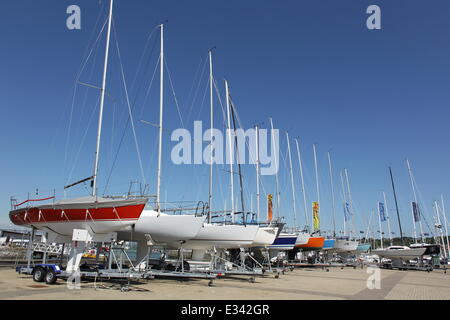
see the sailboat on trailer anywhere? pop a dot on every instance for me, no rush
(96, 214)
(162, 227)
(221, 235)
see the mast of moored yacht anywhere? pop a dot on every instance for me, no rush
(439, 227)
(417, 206)
(257, 174)
(102, 101)
(345, 205)
(387, 217)
(332, 194)
(161, 106)
(379, 222)
(317, 180)
(230, 149)
(396, 205)
(292, 181)
(350, 197)
(303, 182)
(276, 166)
(445, 223)
(211, 136)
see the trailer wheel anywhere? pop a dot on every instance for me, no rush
(50, 277)
(39, 274)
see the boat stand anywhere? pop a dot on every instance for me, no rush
(221, 267)
(178, 273)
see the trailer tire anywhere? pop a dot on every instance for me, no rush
(50, 277)
(39, 274)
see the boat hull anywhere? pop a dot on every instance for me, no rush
(223, 236)
(363, 247)
(163, 228)
(284, 242)
(314, 243)
(302, 239)
(329, 244)
(403, 254)
(342, 245)
(265, 236)
(99, 217)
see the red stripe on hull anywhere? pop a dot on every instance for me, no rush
(36, 215)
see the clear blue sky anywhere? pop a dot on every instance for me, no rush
(371, 97)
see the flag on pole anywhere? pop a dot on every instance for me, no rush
(347, 214)
(269, 207)
(416, 211)
(316, 219)
(381, 211)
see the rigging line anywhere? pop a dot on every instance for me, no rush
(220, 102)
(149, 87)
(84, 103)
(128, 104)
(173, 92)
(75, 84)
(123, 136)
(197, 90)
(141, 60)
(190, 95)
(84, 138)
(124, 115)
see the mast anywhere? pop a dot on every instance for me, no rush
(349, 197)
(332, 195)
(439, 227)
(303, 182)
(257, 175)
(417, 204)
(230, 149)
(345, 203)
(379, 221)
(211, 137)
(396, 205)
(317, 180)
(102, 102)
(239, 166)
(292, 180)
(161, 104)
(387, 217)
(445, 223)
(276, 166)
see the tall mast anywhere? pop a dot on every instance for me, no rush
(241, 183)
(345, 203)
(396, 205)
(102, 101)
(276, 166)
(230, 150)
(349, 197)
(417, 204)
(445, 223)
(379, 221)
(317, 180)
(332, 195)
(439, 227)
(161, 104)
(211, 137)
(292, 180)
(303, 182)
(387, 217)
(257, 175)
